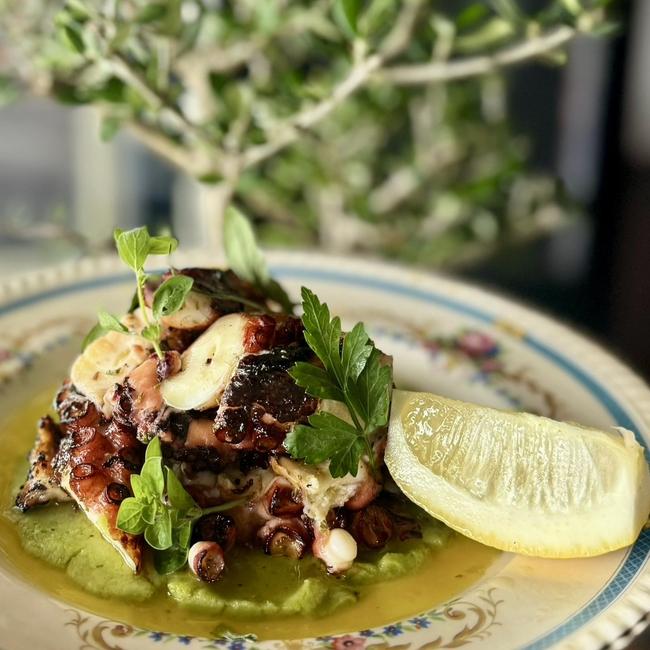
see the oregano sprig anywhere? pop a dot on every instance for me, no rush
(162, 510)
(134, 247)
(352, 373)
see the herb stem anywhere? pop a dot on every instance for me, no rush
(141, 278)
(354, 417)
(366, 439)
(221, 507)
(371, 458)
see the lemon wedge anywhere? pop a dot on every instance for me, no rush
(516, 481)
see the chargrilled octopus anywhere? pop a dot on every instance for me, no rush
(231, 451)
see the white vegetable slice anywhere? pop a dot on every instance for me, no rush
(196, 313)
(208, 365)
(106, 362)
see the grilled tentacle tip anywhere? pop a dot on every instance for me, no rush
(206, 561)
(336, 548)
(42, 485)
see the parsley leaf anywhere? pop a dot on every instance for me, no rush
(352, 373)
(373, 392)
(323, 334)
(246, 259)
(356, 350)
(328, 438)
(318, 381)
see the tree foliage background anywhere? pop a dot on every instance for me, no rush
(359, 124)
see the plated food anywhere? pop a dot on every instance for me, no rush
(156, 455)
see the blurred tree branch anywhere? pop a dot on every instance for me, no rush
(437, 72)
(299, 105)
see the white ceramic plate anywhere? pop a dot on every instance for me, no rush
(446, 337)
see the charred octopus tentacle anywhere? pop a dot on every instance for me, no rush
(94, 464)
(262, 402)
(137, 401)
(287, 537)
(41, 485)
(206, 561)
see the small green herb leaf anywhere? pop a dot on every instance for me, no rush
(323, 334)
(183, 533)
(154, 449)
(373, 392)
(178, 496)
(170, 295)
(276, 292)
(107, 322)
(244, 256)
(153, 479)
(152, 332)
(149, 511)
(137, 488)
(96, 332)
(159, 535)
(132, 246)
(316, 381)
(356, 350)
(129, 517)
(170, 560)
(162, 245)
(110, 322)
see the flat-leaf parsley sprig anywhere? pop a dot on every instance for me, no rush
(162, 509)
(353, 374)
(134, 247)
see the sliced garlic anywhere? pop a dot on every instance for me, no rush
(196, 313)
